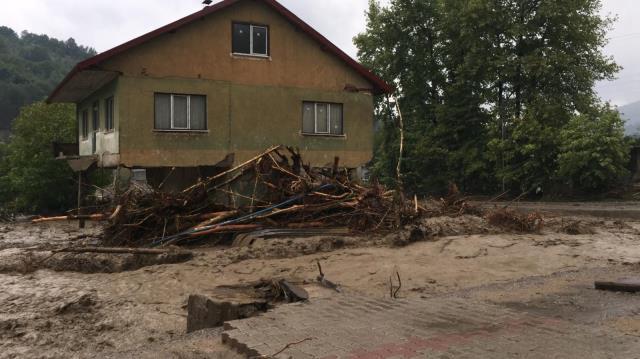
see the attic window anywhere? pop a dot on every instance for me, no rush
(250, 39)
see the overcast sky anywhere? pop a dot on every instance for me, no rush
(104, 24)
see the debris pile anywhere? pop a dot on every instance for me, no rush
(454, 204)
(514, 221)
(283, 193)
(575, 228)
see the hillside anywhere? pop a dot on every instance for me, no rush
(30, 67)
(631, 113)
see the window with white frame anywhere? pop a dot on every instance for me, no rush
(320, 118)
(95, 117)
(250, 39)
(108, 114)
(176, 112)
(84, 124)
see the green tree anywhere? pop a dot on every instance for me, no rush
(32, 180)
(551, 58)
(485, 86)
(594, 151)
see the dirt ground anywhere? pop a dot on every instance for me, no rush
(67, 306)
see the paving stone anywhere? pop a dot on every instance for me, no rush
(356, 327)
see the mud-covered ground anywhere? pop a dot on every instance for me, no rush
(119, 306)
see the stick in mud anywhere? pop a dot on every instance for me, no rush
(119, 250)
(325, 282)
(394, 291)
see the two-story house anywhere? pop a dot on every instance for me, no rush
(232, 79)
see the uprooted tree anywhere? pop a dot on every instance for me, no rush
(489, 91)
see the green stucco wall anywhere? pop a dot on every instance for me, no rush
(242, 119)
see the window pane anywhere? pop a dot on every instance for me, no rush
(180, 112)
(322, 123)
(260, 40)
(85, 124)
(198, 113)
(336, 119)
(95, 117)
(163, 112)
(108, 114)
(241, 39)
(308, 117)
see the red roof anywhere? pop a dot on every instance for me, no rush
(380, 86)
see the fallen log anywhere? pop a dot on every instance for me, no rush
(88, 217)
(215, 220)
(630, 285)
(215, 215)
(227, 229)
(118, 250)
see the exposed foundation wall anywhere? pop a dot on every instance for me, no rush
(107, 142)
(242, 119)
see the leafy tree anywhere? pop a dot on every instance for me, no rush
(5, 190)
(594, 151)
(30, 178)
(485, 86)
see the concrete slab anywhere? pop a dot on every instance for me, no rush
(355, 327)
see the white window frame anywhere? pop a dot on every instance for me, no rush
(110, 106)
(266, 48)
(328, 115)
(84, 123)
(329, 107)
(173, 127)
(95, 117)
(251, 52)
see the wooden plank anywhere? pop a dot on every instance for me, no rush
(631, 285)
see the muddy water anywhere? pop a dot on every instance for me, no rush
(51, 314)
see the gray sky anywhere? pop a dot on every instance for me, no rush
(104, 24)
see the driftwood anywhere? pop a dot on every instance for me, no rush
(88, 217)
(325, 282)
(119, 250)
(227, 229)
(270, 191)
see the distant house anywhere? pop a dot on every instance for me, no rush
(232, 79)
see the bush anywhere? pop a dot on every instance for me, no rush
(31, 180)
(594, 152)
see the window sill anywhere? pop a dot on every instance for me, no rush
(327, 135)
(236, 55)
(182, 131)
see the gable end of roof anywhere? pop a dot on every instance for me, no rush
(380, 86)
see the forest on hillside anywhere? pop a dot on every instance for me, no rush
(31, 66)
